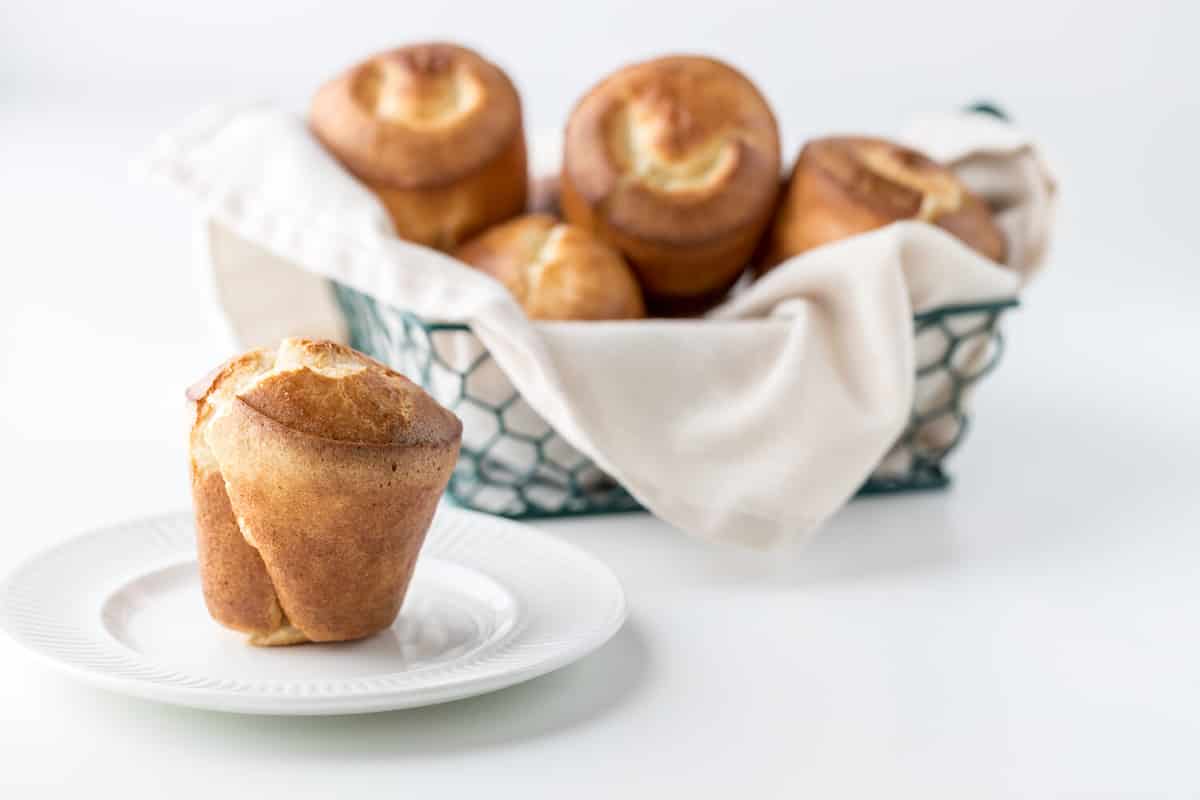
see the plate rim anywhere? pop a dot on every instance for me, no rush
(210, 699)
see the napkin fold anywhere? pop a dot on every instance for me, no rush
(752, 426)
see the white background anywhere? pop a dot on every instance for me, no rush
(1031, 633)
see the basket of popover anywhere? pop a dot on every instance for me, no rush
(656, 308)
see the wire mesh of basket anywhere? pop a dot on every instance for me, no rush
(512, 463)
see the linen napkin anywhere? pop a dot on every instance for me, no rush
(752, 426)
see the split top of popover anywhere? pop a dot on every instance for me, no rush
(842, 186)
(556, 271)
(326, 390)
(680, 148)
(418, 116)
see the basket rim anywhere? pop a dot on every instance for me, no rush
(940, 312)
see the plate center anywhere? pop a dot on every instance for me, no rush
(451, 614)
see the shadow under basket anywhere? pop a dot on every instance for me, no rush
(512, 463)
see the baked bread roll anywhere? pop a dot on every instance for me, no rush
(675, 162)
(435, 131)
(842, 186)
(556, 271)
(315, 475)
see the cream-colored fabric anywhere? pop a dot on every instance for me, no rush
(999, 162)
(753, 426)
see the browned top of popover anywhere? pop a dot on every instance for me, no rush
(895, 181)
(677, 149)
(556, 271)
(214, 392)
(419, 116)
(326, 390)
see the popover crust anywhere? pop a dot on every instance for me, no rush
(556, 271)
(842, 186)
(435, 130)
(419, 116)
(674, 161)
(315, 474)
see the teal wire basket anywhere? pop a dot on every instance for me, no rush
(512, 463)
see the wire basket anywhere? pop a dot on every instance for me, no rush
(512, 463)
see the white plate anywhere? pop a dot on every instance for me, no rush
(492, 603)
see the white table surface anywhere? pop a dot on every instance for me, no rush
(1032, 632)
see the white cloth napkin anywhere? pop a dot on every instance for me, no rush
(752, 426)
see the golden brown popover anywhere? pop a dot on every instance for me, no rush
(315, 475)
(842, 186)
(435, 131)
(675, 162)
(556, 271)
